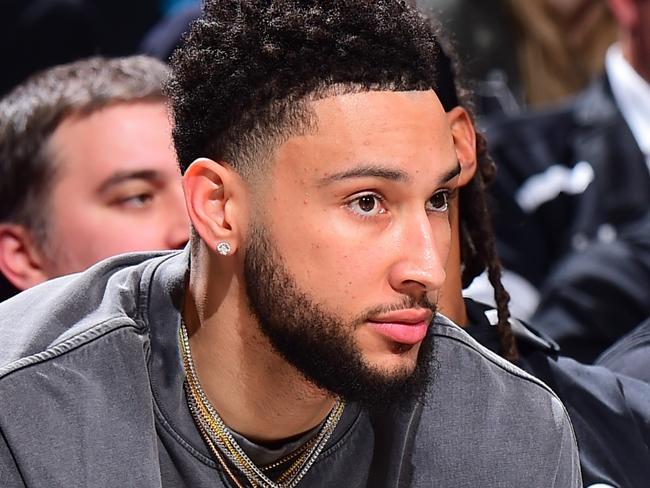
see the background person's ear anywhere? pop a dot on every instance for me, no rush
(21, 261)
(214, 196)
(464, 135)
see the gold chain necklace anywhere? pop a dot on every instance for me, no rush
(221, 442)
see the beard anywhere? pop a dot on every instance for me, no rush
(321, 345)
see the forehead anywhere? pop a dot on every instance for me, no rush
(405, 129)
(119, 137)
(381, 111)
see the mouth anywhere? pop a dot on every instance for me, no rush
(407, 327)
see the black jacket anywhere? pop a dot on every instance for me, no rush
(590, 129)
(597, 189)
(610, 413)
(596, 295)
(631, 354)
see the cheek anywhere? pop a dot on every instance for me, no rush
(326, 255)
(92, 234)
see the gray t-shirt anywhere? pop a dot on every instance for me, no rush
(91, 395)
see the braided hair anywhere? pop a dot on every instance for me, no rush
(477, 241)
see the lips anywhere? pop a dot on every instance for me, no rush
(403, 326)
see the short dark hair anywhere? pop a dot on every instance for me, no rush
(31, 112)
(240, 80)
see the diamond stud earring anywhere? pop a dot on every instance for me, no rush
(223, 248)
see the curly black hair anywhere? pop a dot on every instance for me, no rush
(238, 81)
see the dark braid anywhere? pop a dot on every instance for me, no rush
(478, 245)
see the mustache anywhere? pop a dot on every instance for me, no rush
(407, 302)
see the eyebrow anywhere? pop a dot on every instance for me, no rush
(378, 171)
(121, 176)
(365, 171)
(451, 174)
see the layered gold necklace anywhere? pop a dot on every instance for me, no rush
(225, 448)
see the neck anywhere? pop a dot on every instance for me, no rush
(254, 390)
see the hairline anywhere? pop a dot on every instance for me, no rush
(255, 173)
(302, 120)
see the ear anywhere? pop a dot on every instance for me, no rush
(215, 199)
(625, 12)
(462, 131)
(21, 262)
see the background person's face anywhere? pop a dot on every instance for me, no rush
(355, 213)
(117, 187)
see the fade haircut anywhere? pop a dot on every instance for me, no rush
(240, 82)
(31, 112)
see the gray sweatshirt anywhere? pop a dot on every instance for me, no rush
(91, 395)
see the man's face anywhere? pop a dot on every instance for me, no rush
(117, 187)
(349, 238)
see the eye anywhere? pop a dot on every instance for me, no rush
(439, 202)
(136, 201)
(367, 205)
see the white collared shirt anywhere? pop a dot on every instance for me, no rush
(632, 95)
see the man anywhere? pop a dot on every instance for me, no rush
(610, 413)
(88, 169)
(293, 343)
(575, 175)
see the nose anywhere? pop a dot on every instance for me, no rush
(422, 255)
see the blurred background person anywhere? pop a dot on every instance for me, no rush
(87, 169)
(610, 413)
(560, 45)
(574, 175)
(526, 53)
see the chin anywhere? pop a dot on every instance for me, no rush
(398, 360)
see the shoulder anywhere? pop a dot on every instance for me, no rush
(461, 350)
(631, 354)
(608, 410)
(469, 371)
(80, 366)
(64, 314)
(483, 410)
